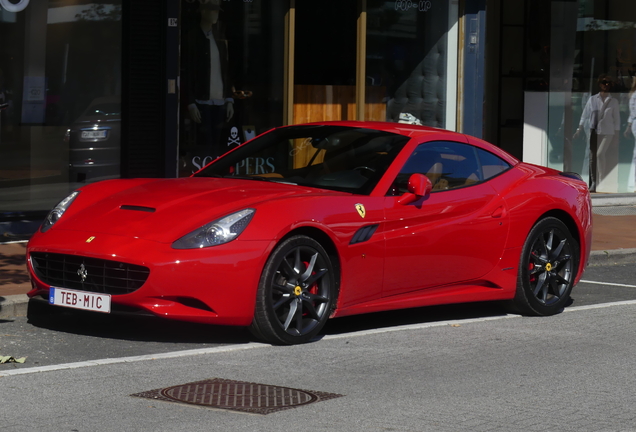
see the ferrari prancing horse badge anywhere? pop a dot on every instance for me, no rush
(361, 210)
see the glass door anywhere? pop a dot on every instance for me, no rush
(411, 61)
(324, 60)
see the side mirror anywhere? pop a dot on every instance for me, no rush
(419, 186)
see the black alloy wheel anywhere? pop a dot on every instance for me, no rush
(295, 293)
(548, 266)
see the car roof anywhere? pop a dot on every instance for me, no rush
(417, 132)
(398, 128)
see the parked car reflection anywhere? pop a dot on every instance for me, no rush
(94, 142)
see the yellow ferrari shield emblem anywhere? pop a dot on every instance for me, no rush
(90, 239)
(361, 210)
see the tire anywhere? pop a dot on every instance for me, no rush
(548, 266)
(296, 293)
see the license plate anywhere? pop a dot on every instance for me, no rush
(79, 299)
(94, 134)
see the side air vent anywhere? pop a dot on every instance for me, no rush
(363, 234)
(138, 208)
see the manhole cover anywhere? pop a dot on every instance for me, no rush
(237, 395)
(615, 210)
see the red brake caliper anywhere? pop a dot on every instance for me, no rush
(533, 278)
(314, 287)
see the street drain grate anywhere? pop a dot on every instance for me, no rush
(237, 396)
(615, 210)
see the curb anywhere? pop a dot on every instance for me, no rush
(608, 200)
(612, 257)
(13, 306)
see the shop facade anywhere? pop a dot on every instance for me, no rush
(92, 90)
(301, 61)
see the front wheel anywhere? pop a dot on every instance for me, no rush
(548, 266)
(295, 293)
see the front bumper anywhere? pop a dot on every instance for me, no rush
(215, 285)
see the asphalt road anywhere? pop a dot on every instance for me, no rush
(451, 368)
(73, 336)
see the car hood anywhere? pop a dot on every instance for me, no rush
(165, 210)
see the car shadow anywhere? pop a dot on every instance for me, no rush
(133, 328)
(421, 315)
(152, 329)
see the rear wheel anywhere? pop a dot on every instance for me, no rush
(295, 293)
(549, 264)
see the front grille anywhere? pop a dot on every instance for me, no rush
(100, 276)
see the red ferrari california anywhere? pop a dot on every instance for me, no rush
(321, 220)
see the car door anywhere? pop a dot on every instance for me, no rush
(456, 233)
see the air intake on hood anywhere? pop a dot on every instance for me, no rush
(138, 208)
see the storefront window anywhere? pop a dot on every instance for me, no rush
(60, 86)
(231, 75)
(592, 56)
(411, 61)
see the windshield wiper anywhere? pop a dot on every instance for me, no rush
(261, 178)
(211, 175)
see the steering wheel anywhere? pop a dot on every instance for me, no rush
(364, 168)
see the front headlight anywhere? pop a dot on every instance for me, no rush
(57, 212)
(218, 232)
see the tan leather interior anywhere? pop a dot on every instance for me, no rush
(435, 176)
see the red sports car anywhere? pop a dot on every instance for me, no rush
(321, 220)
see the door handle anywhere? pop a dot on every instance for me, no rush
(499, 212)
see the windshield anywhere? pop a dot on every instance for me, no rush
(339, 158)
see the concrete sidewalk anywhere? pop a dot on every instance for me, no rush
(614, 242)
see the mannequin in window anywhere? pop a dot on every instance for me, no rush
(208, 89)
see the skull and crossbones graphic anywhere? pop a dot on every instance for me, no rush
(233, 138)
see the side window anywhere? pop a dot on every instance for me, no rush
(447, 164)
(490, 165)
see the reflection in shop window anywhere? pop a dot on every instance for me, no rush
(62, 65)
(592, 65)
(231, 76)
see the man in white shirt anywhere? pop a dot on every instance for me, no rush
(601, 116)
